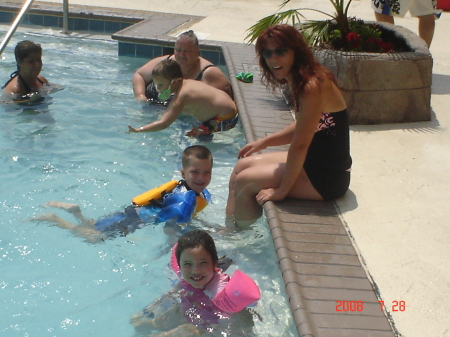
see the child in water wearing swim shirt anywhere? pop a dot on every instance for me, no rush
(201, 281)
(213, 108)
(197, 162)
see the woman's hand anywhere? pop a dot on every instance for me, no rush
(251, 148)
(269, 194)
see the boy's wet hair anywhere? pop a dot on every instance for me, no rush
(169, 69)
(194, 239)
(25, 48)
(189, 34)
(195, 151)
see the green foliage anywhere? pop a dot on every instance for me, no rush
(316, 31)
(338, 32)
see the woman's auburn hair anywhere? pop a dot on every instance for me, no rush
(305, 67)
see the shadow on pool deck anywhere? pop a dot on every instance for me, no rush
(325, 280)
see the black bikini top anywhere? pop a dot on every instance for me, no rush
(27, 88)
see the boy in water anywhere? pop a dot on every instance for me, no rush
(196, 172)
(213, 108)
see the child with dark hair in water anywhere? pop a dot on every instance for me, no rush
(200, 304)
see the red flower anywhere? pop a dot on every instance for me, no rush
(353, 39)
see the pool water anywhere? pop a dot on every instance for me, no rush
(75, 148)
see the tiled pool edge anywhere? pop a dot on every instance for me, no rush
(92, 19)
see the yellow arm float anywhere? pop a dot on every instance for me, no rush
(154, 194)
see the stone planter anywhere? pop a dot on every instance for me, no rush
(384, 88)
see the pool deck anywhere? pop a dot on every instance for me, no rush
(388, 237)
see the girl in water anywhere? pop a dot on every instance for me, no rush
(191, 309)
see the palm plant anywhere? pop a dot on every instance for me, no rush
(338, 32)
(316, 31)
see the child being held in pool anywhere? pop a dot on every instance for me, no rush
(197, 162)
(213, 108)
(199, 310)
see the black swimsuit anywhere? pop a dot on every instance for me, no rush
(27, 88)
(328, 160)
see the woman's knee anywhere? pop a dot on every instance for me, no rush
(246, 181)
(242, 164)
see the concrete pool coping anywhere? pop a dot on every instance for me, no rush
(318, 260)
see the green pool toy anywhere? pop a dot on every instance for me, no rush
(245, 77)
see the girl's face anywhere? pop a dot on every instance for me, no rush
(278, 59)
(197, 174)
(197, 267)
(31, 65)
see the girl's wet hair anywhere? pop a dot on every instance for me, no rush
(169, 69)
(194, 239)
(25, 48)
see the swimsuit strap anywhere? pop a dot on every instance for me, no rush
(200, 75)
(182, 182)
(28, 90)
(11, 77)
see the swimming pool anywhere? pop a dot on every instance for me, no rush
(76, 148)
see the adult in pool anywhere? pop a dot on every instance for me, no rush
(213, 108)
(25, 83)
(317, 163)
(193, 66)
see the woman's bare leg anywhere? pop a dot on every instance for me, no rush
(255, 174)
(240, 166)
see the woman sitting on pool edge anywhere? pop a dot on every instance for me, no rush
(26, 82)
(317, 164)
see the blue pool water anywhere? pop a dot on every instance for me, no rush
(76, 148)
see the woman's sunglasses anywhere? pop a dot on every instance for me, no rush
(267, 53)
